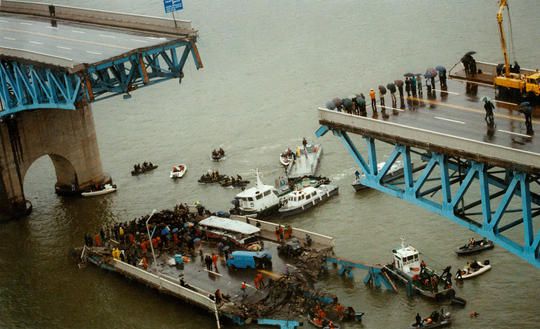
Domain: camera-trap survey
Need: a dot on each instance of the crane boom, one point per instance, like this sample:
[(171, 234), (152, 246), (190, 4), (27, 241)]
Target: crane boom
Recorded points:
[(502, 4)]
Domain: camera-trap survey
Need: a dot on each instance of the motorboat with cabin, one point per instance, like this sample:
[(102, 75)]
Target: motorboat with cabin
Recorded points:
[(178, 171), (410, 270), (396, 169), (105, 189), (258, 201), (303, 199)]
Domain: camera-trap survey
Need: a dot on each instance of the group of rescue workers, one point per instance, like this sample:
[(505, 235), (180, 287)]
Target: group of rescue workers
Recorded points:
[(172, 231)]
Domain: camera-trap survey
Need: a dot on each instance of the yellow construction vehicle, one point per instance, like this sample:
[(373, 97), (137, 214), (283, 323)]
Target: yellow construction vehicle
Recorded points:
[(509, 83)]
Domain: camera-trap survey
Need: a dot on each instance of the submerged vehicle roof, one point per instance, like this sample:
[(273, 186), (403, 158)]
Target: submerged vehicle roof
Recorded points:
[(229, 225), (258, 254)]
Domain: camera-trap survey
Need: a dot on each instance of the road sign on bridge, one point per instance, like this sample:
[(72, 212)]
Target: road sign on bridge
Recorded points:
[(55, 57), (172, 5)]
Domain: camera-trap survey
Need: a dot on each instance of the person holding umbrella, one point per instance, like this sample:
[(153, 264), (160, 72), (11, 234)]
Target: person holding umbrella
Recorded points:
[(399, 84), (408, 86), (442, 75), (338, 104), (392, 88), (361, 104), (330, 105), (526, 109), (347, 105), (373, 100), (360, 101), (419, 84), (489, 107)]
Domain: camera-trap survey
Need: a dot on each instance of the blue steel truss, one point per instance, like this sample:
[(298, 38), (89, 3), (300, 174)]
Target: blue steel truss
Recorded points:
[(374, 277), (26, 86), (458, 175)]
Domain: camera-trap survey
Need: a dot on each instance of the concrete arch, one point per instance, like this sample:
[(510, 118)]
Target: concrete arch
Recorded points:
[(67, 137), (67, 180)]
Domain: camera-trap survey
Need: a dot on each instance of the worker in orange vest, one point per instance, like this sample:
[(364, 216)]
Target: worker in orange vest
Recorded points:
[(243, 287), (214, 261), (373, 100), (145, 263), (259, 283)]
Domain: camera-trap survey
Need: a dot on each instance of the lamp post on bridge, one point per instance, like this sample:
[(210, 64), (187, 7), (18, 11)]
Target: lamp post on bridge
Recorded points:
[(150, 238)]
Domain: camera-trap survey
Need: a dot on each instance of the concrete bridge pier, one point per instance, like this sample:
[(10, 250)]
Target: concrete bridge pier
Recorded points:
[(67, 137)]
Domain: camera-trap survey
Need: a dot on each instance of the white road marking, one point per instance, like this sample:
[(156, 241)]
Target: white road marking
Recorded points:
[(77, 31), (450, 120), (25, 23), (52, 27), (2, 21), (93, 52), (9, 38), (107, 36), (152, 38), (446, 91), (36, 42), (513, 133), (391, 108), (503, 102), (62, 47), (137, 40)]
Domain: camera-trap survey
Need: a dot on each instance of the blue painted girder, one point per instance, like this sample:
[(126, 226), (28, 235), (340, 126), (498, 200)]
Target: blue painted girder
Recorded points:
[(516, 186), (26, 86)]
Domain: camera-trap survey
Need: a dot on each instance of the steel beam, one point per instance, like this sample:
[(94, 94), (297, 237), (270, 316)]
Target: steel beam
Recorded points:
[(28, 87), (516, 185)]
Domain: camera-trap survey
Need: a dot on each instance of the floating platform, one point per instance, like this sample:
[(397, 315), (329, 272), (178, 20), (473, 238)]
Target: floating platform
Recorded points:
[(196, 285), (306, 162)]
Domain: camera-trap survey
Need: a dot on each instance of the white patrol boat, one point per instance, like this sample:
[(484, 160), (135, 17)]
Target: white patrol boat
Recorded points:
[(408, 268), (258, 201), (303, 199), (305, 161), (106, 189), (396, 169)]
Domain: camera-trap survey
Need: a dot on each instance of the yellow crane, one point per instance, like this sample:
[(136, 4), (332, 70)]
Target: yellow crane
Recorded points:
[(513, 83)]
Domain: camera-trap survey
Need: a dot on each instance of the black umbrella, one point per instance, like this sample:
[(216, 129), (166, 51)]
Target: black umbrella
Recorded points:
[(469, 53), (330, 105), (337, 101), (408, 75), (398, 83), (525, 107), (382, 89), (440, 68), (361, 101), (391, 87), (347, 103)]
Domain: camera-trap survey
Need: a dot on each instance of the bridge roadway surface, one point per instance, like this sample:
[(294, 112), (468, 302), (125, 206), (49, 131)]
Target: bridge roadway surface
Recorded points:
[(461, 116), (76, 42)]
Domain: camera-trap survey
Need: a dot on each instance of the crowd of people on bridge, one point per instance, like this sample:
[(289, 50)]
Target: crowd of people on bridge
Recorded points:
[(411, 86)]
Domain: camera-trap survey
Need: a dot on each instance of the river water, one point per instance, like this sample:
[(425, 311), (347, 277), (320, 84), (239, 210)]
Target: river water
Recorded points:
[(268, 65)]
